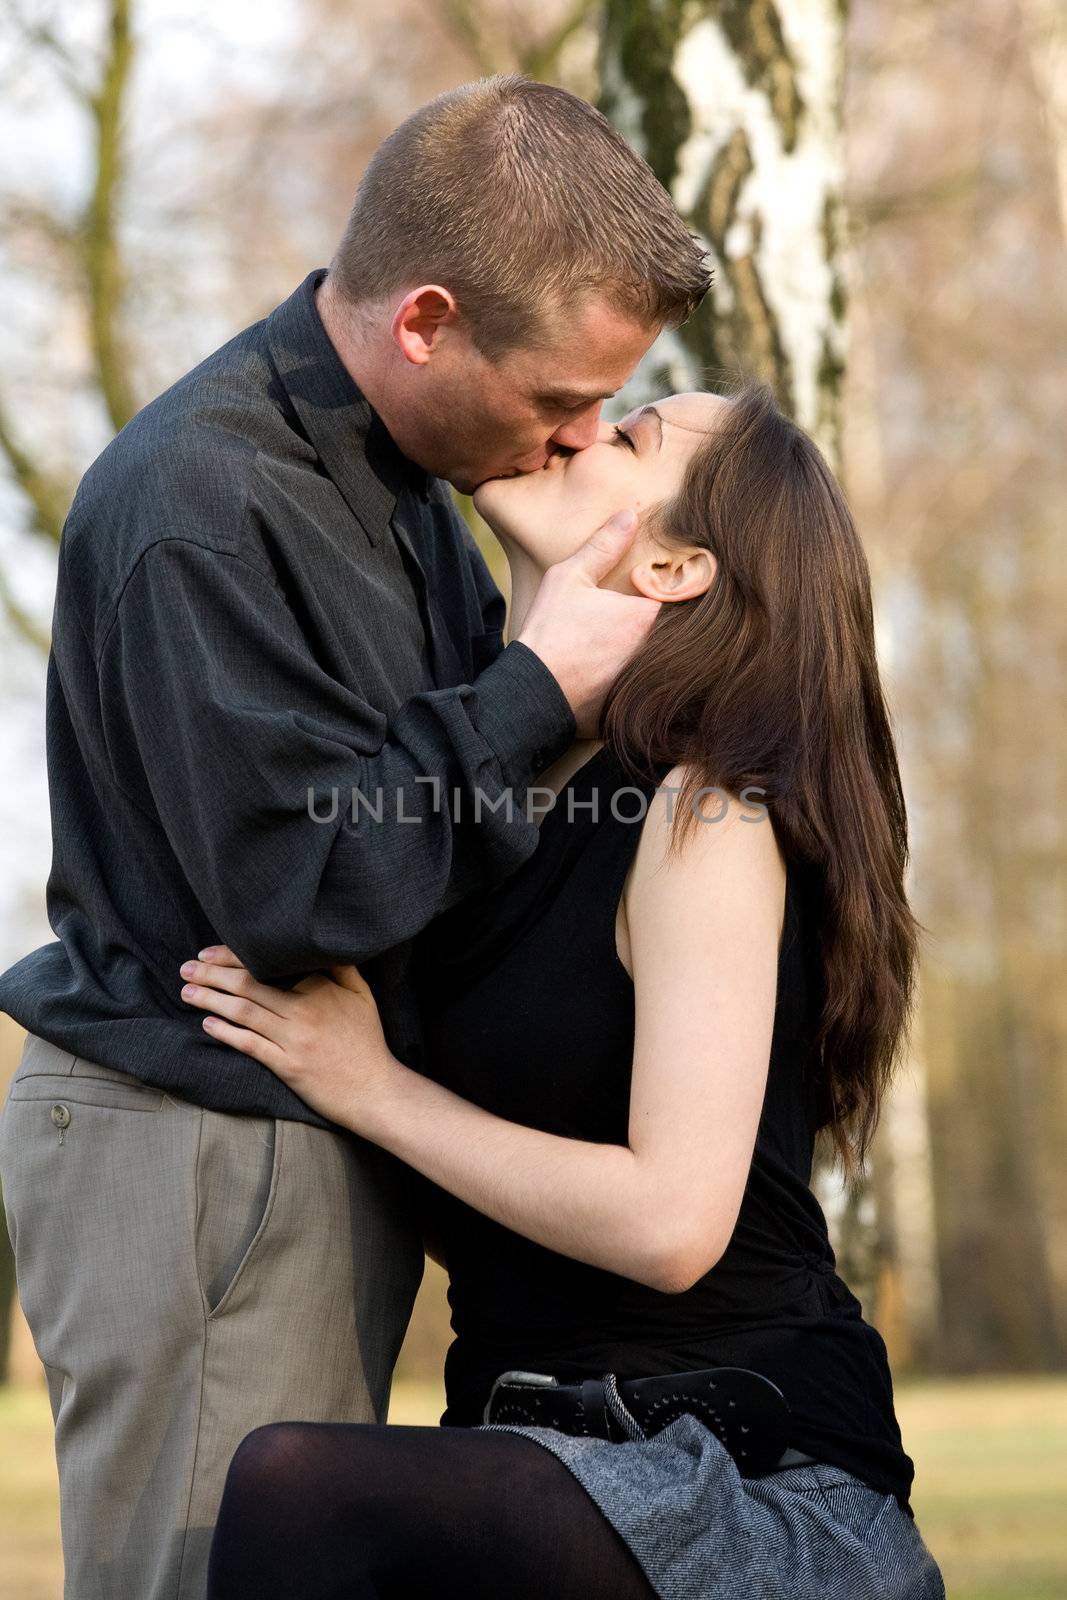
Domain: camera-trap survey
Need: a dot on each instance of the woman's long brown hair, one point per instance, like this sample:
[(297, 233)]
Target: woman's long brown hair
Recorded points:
[(770, 681)]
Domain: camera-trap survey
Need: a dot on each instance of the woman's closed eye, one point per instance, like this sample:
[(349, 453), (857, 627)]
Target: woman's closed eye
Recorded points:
[(622, 437)]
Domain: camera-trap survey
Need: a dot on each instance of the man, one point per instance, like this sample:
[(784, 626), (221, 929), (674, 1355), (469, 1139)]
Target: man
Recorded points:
[(279, 698)]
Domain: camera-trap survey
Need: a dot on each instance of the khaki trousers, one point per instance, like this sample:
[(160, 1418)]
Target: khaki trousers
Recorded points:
[(187, 1276)]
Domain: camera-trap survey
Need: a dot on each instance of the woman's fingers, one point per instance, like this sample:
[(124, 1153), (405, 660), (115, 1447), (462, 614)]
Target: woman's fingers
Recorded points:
[(248, 1043), (237, 1009), (238, 981), (220, 955)]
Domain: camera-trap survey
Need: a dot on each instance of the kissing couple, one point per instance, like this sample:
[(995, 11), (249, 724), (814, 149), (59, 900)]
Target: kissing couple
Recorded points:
[(580, 1059)]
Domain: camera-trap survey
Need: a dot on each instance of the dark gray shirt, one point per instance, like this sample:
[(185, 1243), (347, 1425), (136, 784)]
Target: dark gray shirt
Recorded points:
[(262, 607)]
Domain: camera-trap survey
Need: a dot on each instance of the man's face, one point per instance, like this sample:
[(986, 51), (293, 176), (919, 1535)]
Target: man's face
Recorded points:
[(495, 419)]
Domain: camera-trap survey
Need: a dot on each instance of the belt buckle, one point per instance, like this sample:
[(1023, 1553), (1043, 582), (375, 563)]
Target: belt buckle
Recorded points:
[(518, 1378)]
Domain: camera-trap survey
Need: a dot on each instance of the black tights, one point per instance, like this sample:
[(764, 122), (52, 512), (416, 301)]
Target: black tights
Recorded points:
[(362, 1511)]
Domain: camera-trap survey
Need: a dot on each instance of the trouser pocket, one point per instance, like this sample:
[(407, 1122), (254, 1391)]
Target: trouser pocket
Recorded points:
[(237, 1173), (55, 1099)]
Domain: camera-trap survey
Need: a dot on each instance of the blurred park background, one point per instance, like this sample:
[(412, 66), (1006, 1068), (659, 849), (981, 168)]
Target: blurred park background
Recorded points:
[(883, 187)]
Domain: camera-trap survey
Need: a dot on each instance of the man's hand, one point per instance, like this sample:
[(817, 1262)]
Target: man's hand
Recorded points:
[(585, 635)]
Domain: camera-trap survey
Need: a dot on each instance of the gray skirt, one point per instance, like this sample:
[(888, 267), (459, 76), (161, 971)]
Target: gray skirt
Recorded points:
[(701, 1531)]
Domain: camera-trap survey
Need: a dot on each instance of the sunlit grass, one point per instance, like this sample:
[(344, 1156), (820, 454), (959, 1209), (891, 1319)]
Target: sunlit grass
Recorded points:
[(990, 1493), (30, 1563), (991, 1483)]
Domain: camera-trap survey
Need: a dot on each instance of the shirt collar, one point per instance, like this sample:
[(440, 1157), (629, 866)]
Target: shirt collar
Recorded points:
[(352, 441)]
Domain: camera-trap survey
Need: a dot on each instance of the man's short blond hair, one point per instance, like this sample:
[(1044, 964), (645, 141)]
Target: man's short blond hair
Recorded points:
[(520, 199)]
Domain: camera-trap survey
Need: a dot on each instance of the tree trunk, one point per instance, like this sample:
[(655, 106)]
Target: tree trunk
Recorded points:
[(736, 105), (97, 246), (908, 1216)]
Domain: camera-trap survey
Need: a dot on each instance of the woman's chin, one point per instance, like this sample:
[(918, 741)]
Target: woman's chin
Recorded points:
[(482, 498), (490, 500), (520, 516)]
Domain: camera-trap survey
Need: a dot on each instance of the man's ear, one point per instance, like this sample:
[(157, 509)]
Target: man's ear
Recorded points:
[(679, 574), (419, 319)]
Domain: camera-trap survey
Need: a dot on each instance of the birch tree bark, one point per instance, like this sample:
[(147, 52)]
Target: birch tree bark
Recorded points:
[(736, 105)]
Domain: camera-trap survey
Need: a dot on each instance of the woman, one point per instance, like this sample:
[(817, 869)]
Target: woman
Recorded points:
[(630, 1047)]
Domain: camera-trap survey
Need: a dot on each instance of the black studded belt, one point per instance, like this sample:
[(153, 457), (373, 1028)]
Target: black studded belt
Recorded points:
[(746, 1411)]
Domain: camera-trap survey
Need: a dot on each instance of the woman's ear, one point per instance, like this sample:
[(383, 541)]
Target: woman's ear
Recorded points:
[(678, 574)]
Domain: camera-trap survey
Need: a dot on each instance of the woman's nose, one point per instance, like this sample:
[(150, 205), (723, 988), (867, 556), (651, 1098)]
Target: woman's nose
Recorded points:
[(580, 432)]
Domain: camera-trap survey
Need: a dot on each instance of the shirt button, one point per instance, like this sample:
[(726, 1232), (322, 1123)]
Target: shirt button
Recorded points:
[(60, 1116)]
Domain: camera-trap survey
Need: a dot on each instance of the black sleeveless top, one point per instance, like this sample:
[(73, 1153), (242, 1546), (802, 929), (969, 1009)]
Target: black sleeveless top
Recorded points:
[(528, 1012)]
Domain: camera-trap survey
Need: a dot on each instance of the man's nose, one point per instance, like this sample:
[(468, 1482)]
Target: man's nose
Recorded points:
[(581, 431)]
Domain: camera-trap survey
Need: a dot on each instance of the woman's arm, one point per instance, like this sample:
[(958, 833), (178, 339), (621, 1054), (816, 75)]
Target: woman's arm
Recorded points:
[(703, 930)]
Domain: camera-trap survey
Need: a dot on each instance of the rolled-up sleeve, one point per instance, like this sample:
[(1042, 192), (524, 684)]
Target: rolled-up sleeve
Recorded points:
[(312, 828)]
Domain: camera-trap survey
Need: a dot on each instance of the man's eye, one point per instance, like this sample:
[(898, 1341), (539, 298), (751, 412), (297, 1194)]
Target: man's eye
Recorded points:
[(622, 437)]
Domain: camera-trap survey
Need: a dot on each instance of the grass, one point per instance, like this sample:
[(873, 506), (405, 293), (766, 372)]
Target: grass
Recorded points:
[(991, 1483), (990, 1490), (30, 1563)]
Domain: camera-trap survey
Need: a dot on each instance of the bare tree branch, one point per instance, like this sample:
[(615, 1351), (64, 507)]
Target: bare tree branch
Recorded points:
[(101, 253), (48, 498), (26, 217), (467, 25), (953, 188), (541, 60), (23, 623), (1047, 36), (95, 245), (40, 36)]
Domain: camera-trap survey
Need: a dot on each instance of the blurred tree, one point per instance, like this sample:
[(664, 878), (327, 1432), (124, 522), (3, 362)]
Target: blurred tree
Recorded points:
[(194, 214), (89, 242), (1046, 25), (736, 106), (512, 38), (959, 337)]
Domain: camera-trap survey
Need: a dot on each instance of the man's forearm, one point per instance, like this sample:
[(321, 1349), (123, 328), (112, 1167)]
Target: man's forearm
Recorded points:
[(255, 761)]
